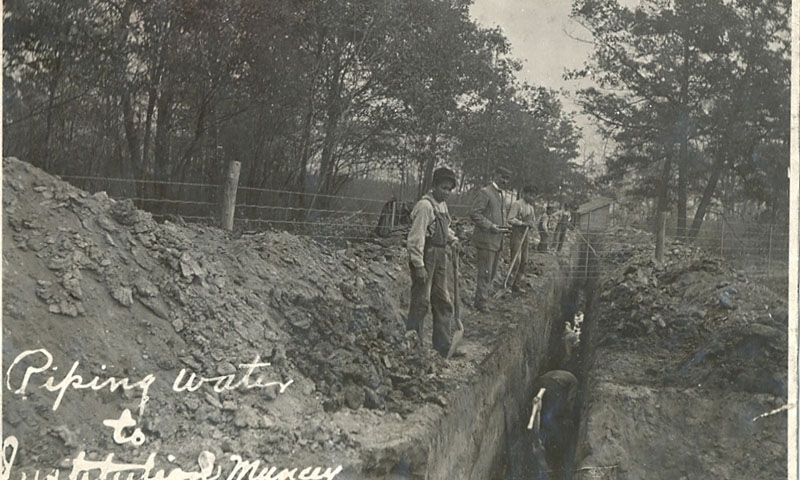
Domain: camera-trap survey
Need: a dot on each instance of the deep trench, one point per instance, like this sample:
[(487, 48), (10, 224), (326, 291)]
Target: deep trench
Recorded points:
[(522, 461)]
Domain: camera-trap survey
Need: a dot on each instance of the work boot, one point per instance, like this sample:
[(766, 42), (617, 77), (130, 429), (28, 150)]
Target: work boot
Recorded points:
[(455, 350), (413, 342), (458, 353)]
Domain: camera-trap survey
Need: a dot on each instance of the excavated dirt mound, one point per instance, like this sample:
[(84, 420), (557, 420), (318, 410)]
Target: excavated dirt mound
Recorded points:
[(270, 346), (685, 356), (91, 280)]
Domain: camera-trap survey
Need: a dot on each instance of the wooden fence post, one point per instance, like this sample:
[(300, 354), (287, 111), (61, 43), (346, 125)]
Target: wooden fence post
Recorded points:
[(229, 195), (769, 251), (660, 234), (394, 209), (588, 246), (722, 240)]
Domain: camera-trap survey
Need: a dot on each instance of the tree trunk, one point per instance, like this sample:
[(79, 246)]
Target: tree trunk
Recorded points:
[(308, 124), (662, 204), (334, 111), (325, 180), (147, 159), (305, 156), (161, 156), (48, 133), (708, 194), (683, 180), (430, 162), (683, 155), (126, 96), (162, 163), (129, 125)]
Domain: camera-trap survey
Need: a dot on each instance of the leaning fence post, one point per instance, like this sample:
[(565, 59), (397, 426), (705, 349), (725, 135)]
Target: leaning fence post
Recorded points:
[(769, 251), (394, 207), (588, 239), (660, 234), (229, 195), (722, 240)]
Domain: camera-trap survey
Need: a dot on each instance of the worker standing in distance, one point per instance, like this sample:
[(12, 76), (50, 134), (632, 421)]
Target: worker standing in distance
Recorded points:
[(521, 217), (488, 215), (546, 226), (427, 255), (564, 224)]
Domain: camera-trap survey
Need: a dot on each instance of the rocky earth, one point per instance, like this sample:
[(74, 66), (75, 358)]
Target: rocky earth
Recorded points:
[(266, 345), (685, 357), (304, 359), (95, 281)]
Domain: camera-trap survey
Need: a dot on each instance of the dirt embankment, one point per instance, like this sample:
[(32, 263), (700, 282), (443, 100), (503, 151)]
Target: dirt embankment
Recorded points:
[(94, 287), (98, 282), (685, 357)]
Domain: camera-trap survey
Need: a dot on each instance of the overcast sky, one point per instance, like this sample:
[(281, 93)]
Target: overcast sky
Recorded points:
[(540, 33)]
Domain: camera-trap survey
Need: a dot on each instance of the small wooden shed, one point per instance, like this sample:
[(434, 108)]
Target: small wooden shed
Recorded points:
[(595, 215)]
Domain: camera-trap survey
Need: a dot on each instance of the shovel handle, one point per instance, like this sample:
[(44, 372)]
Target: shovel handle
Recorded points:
[(456, 296), (516, 256), (537, 405)]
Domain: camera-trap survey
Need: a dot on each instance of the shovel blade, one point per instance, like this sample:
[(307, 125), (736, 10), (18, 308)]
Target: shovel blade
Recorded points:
[(454, 342)]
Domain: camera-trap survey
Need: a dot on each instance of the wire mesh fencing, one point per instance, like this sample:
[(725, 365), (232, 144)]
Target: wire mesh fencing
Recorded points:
[(759, 250)]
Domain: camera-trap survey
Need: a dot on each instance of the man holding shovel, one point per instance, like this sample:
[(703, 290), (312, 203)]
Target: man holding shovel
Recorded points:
[(522, 221), (427, 254)]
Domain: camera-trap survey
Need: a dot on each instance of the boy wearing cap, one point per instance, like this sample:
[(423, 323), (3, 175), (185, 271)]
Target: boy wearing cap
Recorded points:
[(427, 240), (564, 223), (522, 221), (546, 226), (488, 214)]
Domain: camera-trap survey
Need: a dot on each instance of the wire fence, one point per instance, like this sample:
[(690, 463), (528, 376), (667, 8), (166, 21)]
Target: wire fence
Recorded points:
[(759, 250)]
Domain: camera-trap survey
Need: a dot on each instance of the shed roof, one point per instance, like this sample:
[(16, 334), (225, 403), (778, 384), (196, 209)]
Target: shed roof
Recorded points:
[(595, 204)]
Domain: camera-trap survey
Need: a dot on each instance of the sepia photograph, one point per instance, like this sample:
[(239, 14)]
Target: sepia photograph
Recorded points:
[(399, 239)]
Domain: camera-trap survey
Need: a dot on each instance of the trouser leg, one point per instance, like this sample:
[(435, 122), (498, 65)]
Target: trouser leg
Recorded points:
[(485, 260), (561, 232), (543, 241), (496, 255), (523, 261), (441, 305), (420, 299), (516, 241)]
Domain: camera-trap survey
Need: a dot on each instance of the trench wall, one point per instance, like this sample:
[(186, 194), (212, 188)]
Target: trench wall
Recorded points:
[(637, 422), (483, 426)]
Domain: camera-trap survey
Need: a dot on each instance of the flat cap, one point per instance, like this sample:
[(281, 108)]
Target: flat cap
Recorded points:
[(444, 173), (503, 171)]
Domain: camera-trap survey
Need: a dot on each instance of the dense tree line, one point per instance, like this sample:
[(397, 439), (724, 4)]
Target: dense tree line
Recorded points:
[(695, 94), (307, 94)]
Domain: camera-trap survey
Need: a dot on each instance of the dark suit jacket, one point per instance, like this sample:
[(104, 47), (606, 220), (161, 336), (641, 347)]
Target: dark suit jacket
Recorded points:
[(487, 210)]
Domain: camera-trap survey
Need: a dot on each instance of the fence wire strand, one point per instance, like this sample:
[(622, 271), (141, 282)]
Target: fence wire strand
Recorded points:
[(755, 249)]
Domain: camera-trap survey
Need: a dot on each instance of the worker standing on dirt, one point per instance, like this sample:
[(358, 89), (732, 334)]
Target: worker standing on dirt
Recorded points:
[(427, 241), (488, 214), (557, 419), (522, 219), (546, 227), (564, 223)]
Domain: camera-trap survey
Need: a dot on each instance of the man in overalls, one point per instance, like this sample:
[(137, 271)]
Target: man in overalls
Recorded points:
[(427, 255)]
